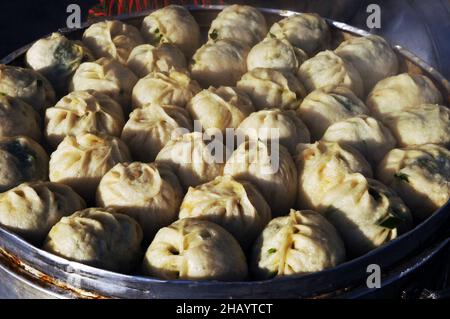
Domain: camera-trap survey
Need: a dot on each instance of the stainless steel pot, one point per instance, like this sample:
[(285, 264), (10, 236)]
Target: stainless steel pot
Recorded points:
[(28, 272)]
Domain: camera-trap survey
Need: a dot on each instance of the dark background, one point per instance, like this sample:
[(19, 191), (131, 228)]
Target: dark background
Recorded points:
[(421, 26)]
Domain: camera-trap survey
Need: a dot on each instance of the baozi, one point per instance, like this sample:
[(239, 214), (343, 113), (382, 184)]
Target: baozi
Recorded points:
[(56, 58), (235, 205), (18, 118), (150, 193), (307, 31), (220, 108), (323, 165), (239, 23), (366, 213), (423, 124), (28, 85), (146, 58), (366, 134), (193, 158), (269, 88), (196, 250), (371, 56), (112, 39), (299, 243), (106, 76), (328, 105), (217, 63), (82, 112), (269, 167), (172, 24), (420, 175), (173, 87), (284, 126), (81, 161), (21, 160), (97, 237), (151, 127), (401, 92), (327, 68), (31, 209), (273, 53)]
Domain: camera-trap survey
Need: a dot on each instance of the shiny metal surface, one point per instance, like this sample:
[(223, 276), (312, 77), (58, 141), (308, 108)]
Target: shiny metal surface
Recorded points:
[(29, 272)]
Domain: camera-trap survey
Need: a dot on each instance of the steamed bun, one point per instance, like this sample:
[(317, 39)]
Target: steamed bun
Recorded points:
[(112, 39), (299, 243), (220, 108), (97, 237), (151, 127), (191, 157), (366, 134), (221, 62), (173, 87), (150, 193), (28, 85), (420, 175), (81, 161), (196, 250), (269, 88), (269, 167), (172, 24), (21, 160), (401, 92), (327, 105), (285, 126), (327, 68), (235, 205), (31, 209), (82, 112)]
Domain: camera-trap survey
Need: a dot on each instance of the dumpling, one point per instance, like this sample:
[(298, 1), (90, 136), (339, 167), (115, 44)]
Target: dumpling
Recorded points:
[(151, 127), (420, 175), (174, 87), (366, 213), (299, 243), (241, 23), (220, 108), (56, 58), (146, 58), (106, 76), (270, 88), (323, 165), (82, 112), (372, 56), (193, 158), (18, 118), (150, 193), (195, 250), (273, 53), (274, 124), (235, 205), (217, 63), (81, 161), (401, 92), (21, 160), (269, 167), (328, 105), (31, 209), (423, 124), (327, 68), (112, 39), (172, 24), (368, 135), (97, 237), (27, 85), (306, 31)]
